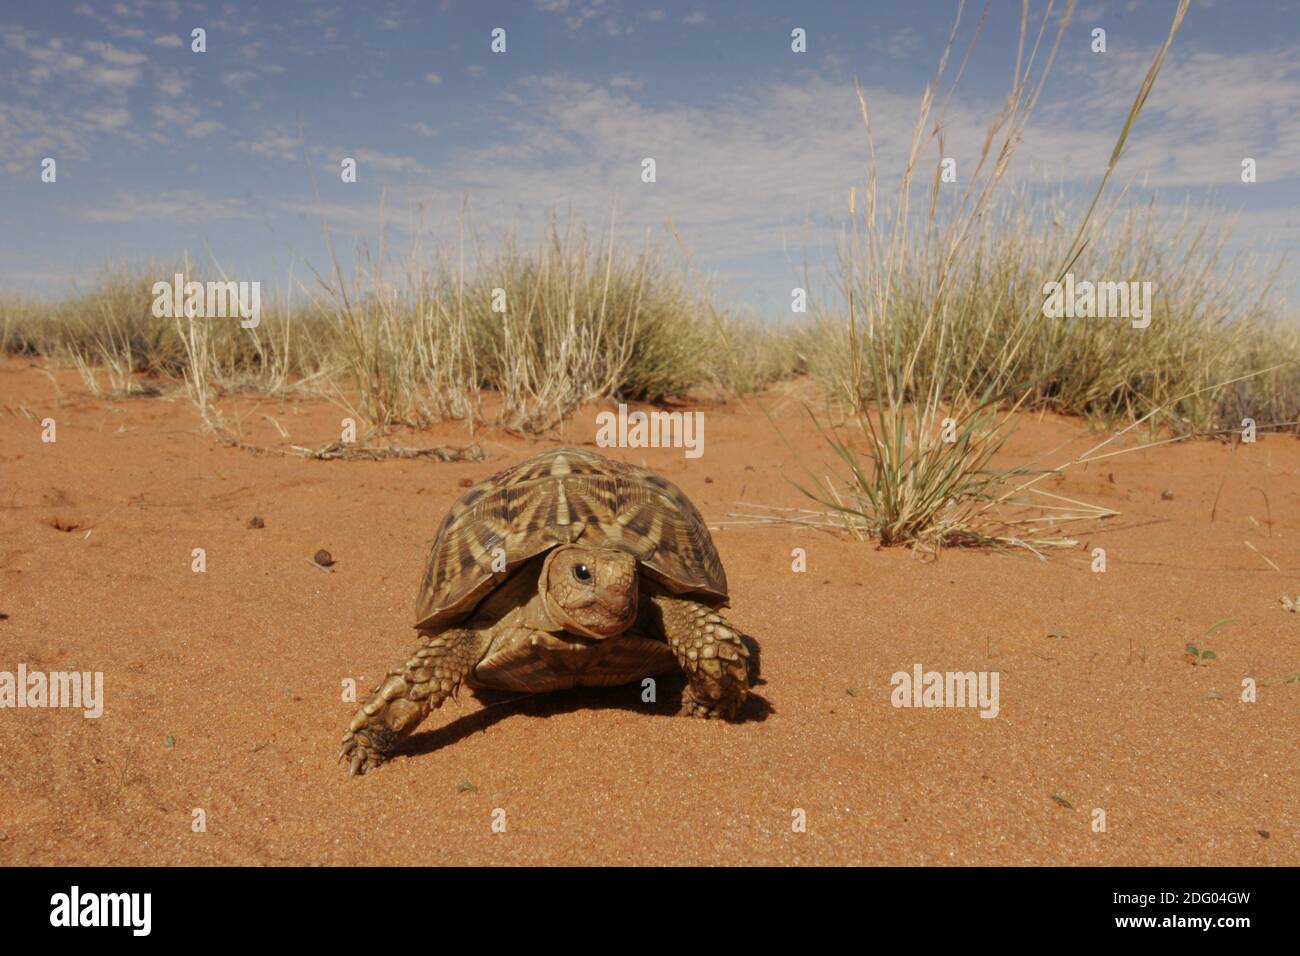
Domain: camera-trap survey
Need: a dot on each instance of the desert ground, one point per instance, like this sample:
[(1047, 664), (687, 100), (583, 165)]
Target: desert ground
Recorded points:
[(223, 689)]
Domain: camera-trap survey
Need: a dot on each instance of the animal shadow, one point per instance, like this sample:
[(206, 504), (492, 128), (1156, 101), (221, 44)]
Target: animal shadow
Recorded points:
[(498, 705)]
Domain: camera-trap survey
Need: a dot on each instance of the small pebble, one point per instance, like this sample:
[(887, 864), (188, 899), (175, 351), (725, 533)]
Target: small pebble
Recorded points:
[(256, 522)]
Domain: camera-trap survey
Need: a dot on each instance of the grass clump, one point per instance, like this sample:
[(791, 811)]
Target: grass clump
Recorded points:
[(521, 337), (546, 329), (1202, 331), (941, 339), (111, 336)]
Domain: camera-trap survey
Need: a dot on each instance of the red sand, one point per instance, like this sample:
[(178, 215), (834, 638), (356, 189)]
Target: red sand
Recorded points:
[(241, 667)]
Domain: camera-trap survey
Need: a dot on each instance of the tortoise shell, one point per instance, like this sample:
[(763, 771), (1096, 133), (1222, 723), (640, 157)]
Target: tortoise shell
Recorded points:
[(564, 496)]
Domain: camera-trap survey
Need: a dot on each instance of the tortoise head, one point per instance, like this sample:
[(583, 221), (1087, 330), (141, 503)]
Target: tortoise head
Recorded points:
[(590, 591)]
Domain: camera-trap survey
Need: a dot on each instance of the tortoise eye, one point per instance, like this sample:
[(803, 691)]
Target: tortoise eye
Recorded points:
[(582, 572)]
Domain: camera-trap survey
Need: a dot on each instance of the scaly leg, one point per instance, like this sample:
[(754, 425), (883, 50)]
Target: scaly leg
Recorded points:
[(711, 653), (409, 693)]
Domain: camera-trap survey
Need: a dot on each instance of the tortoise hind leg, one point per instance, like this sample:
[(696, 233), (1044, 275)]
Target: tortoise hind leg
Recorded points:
[(710, 651), (409, 693)]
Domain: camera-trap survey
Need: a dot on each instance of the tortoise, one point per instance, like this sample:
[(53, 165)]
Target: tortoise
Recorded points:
[(568, 569)]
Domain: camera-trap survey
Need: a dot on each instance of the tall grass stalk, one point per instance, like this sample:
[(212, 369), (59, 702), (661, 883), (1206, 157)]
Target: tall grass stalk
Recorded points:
[(933, 382)]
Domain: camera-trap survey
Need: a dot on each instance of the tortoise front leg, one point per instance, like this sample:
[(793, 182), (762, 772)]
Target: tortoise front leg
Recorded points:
[(409, 693), (711, 653)]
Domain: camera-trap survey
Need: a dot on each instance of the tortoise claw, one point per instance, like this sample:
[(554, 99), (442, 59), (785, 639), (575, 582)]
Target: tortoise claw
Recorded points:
[(363, 756), (698, 705)]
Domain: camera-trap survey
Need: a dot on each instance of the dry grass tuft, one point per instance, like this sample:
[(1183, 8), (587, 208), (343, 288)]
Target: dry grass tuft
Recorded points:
[(942, 337), (543, 329)]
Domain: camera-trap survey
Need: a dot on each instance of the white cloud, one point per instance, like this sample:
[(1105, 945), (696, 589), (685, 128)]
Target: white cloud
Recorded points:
[(186, 118), (171, 85), (359, 215), (28, 135), (202, 128), (901, 44), (384, 161), (250, 52), (1186, 137), (115, 56), (236, 80), (166, 207), (609, 15), (739, 174), (274, 144), (52, 56), (118, 78), (109, 119)]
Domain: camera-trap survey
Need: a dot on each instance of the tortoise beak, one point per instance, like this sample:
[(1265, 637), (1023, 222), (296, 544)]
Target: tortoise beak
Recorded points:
[(626, 609), (622, 613)]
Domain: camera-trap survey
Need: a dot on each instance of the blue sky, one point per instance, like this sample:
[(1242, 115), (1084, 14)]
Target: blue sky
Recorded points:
[(162, 151)]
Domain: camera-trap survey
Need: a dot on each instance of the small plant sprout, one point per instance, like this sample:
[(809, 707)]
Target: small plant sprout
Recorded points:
[(1199, 656)]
